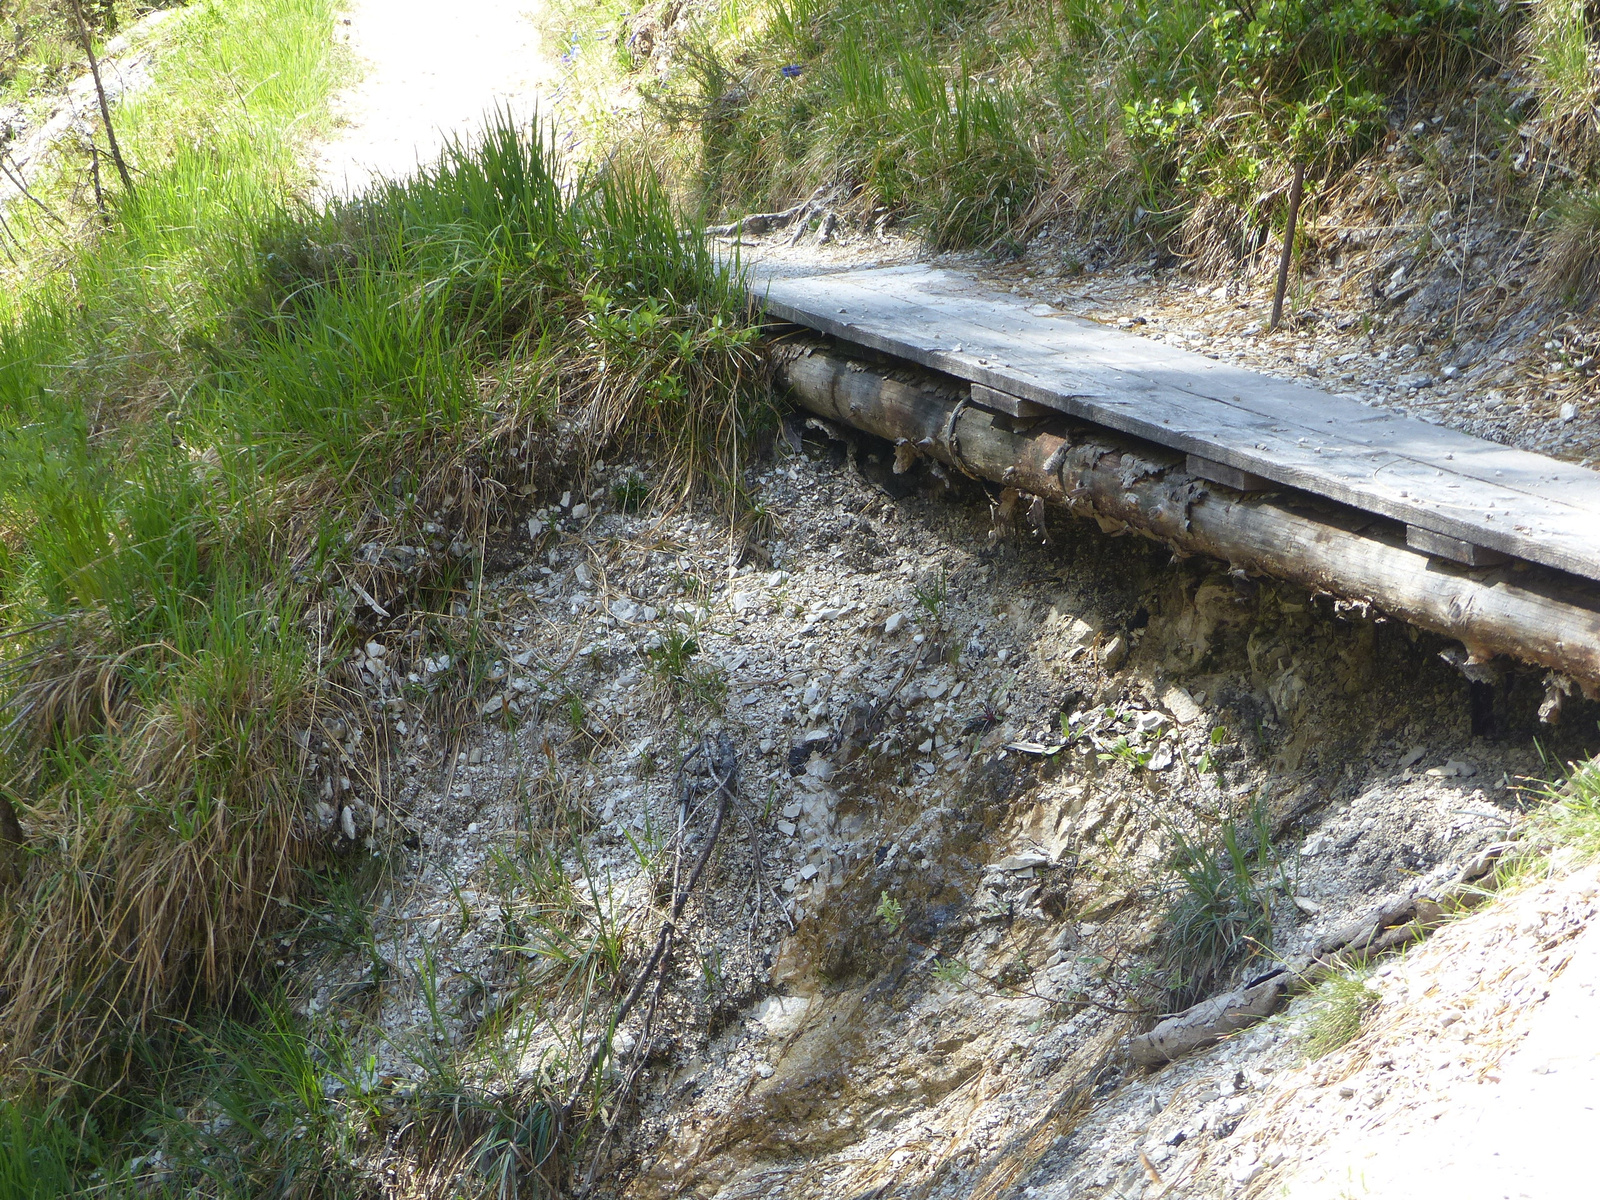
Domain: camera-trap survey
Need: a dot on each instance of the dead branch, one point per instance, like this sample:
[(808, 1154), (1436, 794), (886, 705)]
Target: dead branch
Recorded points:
[(75, 7)]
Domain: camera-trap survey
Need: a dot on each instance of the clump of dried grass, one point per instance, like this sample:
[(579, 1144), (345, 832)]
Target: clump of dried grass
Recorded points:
[(1569, 265), (163, 834)]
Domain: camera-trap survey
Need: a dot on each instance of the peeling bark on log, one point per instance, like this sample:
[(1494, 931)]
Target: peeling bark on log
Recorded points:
[(1207, 1023), (1530, 613)]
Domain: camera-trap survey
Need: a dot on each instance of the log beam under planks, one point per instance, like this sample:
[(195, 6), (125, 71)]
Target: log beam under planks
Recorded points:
[(1540, 616)]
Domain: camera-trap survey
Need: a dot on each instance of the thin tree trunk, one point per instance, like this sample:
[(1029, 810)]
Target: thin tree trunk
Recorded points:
[(1288, 245), (94, 175), (76, 8)]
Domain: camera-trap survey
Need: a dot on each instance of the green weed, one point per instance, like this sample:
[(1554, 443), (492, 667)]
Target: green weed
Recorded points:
[(1222, 912), (932, 595), (629, 495), (672, 663), (891, 913), (1340, 1008), (40, 1154)]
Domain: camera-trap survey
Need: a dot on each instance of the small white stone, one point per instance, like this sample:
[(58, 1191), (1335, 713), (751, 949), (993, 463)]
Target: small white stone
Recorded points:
[(809, 871), (1149, 722), (786, 828), (1181, 705), (1114, 652), (580, 511), (1569, 412), (894, 623)]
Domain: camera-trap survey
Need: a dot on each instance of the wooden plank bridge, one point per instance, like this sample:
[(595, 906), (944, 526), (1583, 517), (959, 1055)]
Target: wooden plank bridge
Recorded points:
[(1461, 498)]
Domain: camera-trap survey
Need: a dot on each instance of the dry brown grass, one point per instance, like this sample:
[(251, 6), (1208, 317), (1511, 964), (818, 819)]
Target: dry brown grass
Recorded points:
[(152, 879)]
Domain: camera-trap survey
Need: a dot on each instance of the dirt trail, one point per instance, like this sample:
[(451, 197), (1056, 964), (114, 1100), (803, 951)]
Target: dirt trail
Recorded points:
[(431, 74)]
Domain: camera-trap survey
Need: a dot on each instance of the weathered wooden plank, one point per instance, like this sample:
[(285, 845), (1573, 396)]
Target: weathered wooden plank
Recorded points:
[(1456, 550), (1435, 479), (1539, 616), (1215, 472), (1005, 402)]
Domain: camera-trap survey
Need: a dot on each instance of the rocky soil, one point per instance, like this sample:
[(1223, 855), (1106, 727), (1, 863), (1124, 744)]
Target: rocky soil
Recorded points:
[(969, 754)]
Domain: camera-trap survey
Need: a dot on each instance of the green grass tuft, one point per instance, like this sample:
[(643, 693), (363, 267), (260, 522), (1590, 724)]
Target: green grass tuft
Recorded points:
[(981, 119), (1340, 1009), (1221, 912)]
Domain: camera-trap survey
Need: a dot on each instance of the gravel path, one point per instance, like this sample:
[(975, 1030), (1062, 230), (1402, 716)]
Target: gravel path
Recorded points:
[(431, 74)]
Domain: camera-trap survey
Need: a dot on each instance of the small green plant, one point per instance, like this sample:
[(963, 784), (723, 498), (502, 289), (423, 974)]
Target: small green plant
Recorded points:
[(932, 595), (711, 970), (39, 1153), (891, 912), (1121, 751), (574, 710), (629, 495), (670, 659), (672, 663), (951, 970), (1210, 762), (1341, 1007)]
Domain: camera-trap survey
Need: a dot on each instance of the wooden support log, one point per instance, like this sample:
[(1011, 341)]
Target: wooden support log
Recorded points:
[(1533, 614)]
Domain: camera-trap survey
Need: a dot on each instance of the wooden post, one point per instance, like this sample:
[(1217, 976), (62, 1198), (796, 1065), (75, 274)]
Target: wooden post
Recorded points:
[(76, 8), (1295, 189)]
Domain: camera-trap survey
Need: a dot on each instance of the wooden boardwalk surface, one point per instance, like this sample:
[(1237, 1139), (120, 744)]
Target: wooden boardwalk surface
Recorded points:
[(1455, 492)]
